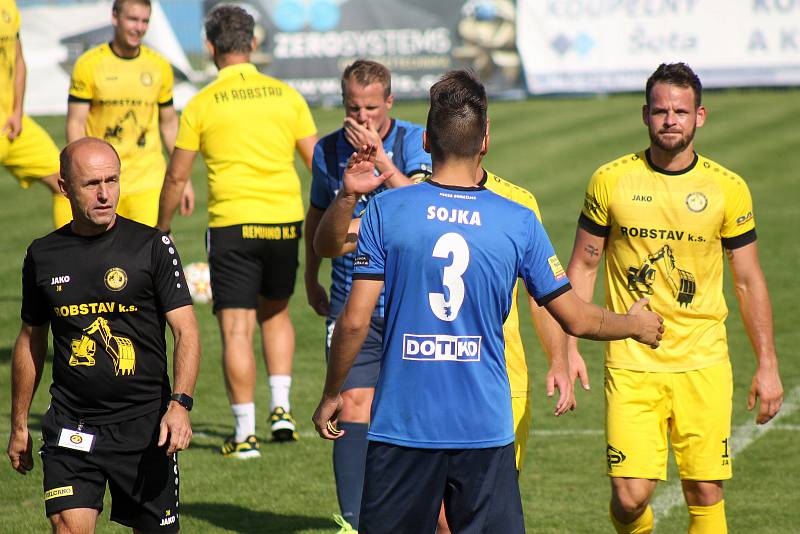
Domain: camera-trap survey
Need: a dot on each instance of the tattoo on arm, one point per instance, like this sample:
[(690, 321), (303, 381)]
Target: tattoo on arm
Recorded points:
[(729, 253), (592, 250), (351, 238)]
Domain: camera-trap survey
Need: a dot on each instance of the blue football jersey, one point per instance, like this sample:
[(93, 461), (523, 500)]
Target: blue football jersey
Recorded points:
[(403, 144), (449, 258)]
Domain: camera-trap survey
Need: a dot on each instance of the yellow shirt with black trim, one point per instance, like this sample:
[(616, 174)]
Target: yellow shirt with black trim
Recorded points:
[(247, 125), (124, 96), (516, 365), (665, 233), (9, 30)]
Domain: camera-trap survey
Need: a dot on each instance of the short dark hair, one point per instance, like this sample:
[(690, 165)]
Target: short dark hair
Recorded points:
[(457, 118), (116, 7), (65, 157), (679, 74), (365, 72), (230, 29)]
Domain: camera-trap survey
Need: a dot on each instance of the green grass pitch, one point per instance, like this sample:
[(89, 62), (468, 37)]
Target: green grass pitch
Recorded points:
[(550, 146)]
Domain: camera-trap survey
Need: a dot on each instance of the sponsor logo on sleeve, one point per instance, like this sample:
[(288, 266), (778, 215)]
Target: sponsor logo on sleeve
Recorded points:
[(63, 491), (361, 260), (440, 347), (744, 218), (555, 266)]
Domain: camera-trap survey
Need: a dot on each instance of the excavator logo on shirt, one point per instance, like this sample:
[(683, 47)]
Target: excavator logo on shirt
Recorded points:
[(131, 123), (682, 283), (119, 349)]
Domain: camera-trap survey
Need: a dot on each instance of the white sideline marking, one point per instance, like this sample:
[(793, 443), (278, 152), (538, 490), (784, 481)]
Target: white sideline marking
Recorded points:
[(741, 437)]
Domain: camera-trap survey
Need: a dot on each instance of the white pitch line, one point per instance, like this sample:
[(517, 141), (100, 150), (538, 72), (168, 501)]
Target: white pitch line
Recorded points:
[(741, 437)]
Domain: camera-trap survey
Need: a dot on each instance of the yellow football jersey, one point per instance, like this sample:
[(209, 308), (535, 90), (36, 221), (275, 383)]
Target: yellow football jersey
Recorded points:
[(9, 29), (124, 96), (247, 125), (516, 365), (665, 234)]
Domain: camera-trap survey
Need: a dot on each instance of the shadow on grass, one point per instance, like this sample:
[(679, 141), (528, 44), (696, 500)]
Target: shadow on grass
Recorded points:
[(5, 354), (246, 521)]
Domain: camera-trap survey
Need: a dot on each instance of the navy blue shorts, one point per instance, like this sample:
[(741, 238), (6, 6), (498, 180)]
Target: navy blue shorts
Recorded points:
[(367, 367), (404, 488), (142, 479)]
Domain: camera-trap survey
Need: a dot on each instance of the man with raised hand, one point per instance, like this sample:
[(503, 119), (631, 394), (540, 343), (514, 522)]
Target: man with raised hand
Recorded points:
[(113, 417), (248, 127), (442, 424), (663, 218), (121, 91), (367, 99)]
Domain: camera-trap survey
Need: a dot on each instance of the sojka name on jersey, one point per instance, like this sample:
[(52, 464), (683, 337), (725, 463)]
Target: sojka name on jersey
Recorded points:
[(442, 348)]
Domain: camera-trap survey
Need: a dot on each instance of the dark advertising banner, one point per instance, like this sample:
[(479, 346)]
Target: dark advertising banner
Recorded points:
[(309, 43)]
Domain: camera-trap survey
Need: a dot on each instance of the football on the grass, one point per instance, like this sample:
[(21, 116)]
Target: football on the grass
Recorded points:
[(199, 282)]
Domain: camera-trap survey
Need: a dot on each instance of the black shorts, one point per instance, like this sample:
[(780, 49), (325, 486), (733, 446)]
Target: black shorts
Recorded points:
[(404, 488), (248, 260), (142, 479), (367, 366)]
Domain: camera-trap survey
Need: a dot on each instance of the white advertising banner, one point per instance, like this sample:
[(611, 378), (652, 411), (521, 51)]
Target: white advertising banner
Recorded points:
[(54, 36), (583, 46)]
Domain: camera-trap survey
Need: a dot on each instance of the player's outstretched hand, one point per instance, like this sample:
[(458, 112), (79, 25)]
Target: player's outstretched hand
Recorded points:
[(650, 325), (176, 427), (558, 378), (766, 388), (577, 369), (317, 298), (359, 175), (326, 416), (20, 450)]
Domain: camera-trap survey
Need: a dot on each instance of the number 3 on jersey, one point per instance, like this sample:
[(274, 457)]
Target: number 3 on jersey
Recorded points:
[(450, 243)]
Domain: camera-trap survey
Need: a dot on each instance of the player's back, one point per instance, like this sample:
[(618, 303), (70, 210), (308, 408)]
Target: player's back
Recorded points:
[(450, 258), (247, 125)]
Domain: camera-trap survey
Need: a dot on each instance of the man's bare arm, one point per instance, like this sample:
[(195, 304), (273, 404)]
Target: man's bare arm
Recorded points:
[(30, 350), (305, 147), (582, 272), (13, 126), (317, 297), (754, 304), (178, 173), (589, 321), (554, 343), (77, 114), (175, 424), (351, 329), (168, 126)]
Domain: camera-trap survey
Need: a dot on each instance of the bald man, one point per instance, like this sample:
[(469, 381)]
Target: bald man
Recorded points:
[(106, 286)]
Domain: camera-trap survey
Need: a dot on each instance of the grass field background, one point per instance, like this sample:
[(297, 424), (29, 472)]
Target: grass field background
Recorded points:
[(550, 146)]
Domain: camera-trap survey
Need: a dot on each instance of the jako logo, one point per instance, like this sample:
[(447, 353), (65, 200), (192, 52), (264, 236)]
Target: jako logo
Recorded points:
[(442, 347), (59, 280)]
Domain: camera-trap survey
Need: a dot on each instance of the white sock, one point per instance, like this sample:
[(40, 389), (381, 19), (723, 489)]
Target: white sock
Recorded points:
[(245, 415), (279, 386)]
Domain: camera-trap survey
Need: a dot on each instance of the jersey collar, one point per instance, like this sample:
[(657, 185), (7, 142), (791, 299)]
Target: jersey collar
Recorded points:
[(455, 187), (239, 68), (670, 173)]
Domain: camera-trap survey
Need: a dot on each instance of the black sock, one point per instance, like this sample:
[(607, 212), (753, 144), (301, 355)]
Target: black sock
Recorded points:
[(349, 457)]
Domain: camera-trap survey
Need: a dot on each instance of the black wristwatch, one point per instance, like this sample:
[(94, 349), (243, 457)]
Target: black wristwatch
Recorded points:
[(184, 400)]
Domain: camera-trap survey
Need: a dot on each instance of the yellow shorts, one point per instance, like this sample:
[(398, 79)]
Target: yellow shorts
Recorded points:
[(30, 156), (141, 206), (692, 409), (521, 407)]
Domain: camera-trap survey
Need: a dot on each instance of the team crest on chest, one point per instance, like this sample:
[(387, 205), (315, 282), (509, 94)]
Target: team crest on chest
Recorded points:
[(6, 17), (116, 279), (696, 202), (147, 79)]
